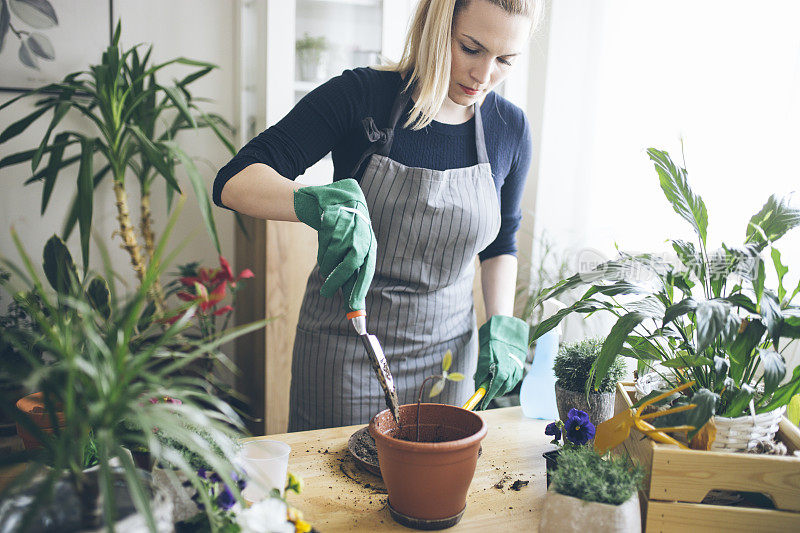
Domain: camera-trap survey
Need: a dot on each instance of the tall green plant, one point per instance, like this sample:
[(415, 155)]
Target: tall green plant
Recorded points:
[(710, 318), (126, 105), (100, 373)]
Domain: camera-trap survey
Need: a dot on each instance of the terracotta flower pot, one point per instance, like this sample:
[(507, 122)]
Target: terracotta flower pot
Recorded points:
[(427, 481), (565, 514), (33, 405)]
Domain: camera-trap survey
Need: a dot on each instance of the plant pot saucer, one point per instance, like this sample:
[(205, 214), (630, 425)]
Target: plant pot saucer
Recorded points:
[(425, 524), (361, 446)]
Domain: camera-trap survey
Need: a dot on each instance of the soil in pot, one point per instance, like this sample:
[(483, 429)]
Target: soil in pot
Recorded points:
[(428, 480), (600, 406)]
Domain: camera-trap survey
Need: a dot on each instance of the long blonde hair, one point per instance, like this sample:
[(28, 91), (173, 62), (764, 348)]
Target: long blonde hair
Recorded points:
[(426, 56)]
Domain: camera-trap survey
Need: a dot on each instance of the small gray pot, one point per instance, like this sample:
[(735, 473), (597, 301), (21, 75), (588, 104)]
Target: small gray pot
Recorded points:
[(600, 406)]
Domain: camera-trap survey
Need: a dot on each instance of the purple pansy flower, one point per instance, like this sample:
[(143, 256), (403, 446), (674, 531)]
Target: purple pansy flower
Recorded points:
[(225, 498), (579, 429), (553, 430)]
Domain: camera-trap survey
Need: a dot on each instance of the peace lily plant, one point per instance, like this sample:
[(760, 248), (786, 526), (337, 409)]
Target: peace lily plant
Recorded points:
[(710, 319)]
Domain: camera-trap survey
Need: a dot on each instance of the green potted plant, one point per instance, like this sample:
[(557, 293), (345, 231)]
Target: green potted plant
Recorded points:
[(710, 319), (121, 98), (592, 493), (311, 57), (576, 429), (428, 459), (101, 375), (572, 367)]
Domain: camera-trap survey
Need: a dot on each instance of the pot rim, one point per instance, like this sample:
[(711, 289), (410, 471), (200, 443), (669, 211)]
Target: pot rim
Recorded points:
[(430, 447)]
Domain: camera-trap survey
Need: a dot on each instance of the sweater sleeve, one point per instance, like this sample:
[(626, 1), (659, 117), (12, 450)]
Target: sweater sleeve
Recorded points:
[(511, 198), (308, 132)]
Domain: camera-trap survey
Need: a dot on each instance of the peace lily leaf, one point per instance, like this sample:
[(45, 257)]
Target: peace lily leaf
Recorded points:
[(687, 254), (773, 318), (780, 270), (774, 369), (740, 300), (447, 360), (437, 388), (455, 376), (791, 323), (37, 13), (743, 346), (706, 402), (41, 46), (721, 366), (686, 361), (758, 281), (715, 319), (99, 296), (741, 399), (643, 348), (612, 345), (681, 308), (58, 266), (676, 188), (774, 219), (650, 306), (784, 393)]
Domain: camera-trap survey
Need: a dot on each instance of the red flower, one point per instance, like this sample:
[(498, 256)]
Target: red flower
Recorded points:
[(226, 274), (223, 310)]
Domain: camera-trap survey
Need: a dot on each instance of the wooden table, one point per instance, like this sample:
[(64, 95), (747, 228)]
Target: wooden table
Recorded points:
[(339, 496)]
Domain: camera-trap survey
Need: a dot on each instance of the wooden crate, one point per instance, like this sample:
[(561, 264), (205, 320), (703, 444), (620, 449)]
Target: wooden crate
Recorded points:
[(677, 481)]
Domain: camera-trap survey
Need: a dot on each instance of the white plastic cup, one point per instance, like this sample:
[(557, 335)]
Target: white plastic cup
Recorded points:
[(266, 463)]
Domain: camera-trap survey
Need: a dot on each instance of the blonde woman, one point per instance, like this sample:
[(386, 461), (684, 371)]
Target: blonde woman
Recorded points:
[(429, 167)]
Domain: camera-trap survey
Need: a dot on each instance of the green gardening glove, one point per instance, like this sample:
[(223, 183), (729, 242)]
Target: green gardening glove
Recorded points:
[(503, 348), (346, 252)]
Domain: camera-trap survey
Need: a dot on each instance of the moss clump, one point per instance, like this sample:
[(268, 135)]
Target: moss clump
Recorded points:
[(582, 473), (574, 362)]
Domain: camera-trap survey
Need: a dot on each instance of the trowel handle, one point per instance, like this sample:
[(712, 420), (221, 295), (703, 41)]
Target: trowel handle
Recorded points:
[(477, 397)]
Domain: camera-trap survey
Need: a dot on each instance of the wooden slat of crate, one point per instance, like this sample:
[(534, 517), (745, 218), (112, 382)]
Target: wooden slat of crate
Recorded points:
[(694, 517), (689, 475)]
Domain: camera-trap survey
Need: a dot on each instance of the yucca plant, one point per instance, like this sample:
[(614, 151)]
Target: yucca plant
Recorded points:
[(136, 121), (710, 319), (101, 374)]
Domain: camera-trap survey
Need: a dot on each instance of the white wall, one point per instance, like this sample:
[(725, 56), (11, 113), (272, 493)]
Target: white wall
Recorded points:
[(197, 29)]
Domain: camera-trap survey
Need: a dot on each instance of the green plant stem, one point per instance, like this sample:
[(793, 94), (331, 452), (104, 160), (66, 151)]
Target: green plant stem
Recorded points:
[(419, 399)]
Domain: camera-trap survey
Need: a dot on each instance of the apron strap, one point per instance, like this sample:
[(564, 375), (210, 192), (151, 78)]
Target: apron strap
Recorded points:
[(381, 139)]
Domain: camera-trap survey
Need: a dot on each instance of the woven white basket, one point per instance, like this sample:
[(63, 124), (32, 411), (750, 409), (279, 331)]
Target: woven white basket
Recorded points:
[(733, 434), (744, 432)]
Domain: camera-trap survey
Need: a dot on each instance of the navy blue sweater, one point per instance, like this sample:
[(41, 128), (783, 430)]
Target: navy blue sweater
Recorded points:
[(328, 119)]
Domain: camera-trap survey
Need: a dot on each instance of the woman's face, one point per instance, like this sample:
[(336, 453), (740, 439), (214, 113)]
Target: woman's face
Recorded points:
[(487, 41)]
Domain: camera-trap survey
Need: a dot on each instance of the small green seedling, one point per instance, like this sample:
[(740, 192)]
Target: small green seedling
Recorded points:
[(438, 386)]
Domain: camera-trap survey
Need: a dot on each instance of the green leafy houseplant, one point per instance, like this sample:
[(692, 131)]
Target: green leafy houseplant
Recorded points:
[(101, 375), (710, 319), (582, 473), (121, 98), (572, 366)]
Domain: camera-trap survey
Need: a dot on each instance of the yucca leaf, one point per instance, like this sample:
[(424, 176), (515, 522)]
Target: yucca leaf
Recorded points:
[(72, 214), (155, 157), (85, 196), (178, 99), (22, 124), (59, 113), (676, 188), (209, 121), (200, 191), (53, 166)]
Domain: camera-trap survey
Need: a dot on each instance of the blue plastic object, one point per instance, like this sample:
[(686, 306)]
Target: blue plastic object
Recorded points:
[(537, 395)]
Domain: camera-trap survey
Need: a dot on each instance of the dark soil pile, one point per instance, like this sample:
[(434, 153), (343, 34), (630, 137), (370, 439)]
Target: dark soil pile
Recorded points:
[(364, 448)]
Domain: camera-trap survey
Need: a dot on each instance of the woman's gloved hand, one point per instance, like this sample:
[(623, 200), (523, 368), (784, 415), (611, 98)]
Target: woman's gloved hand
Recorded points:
[(346, 253), (503, 348)]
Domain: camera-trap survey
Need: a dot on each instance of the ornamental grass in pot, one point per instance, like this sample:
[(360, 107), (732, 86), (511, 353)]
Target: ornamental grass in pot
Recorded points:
[(592, 493), (427, 461), (106, 357), (572, 368), (708, 317)]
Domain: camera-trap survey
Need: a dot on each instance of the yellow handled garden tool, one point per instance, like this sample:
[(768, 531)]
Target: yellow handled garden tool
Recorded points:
[(477, 397), (614, 431)]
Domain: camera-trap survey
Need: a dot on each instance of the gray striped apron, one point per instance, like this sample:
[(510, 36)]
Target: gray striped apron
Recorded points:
[(429, 225)]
